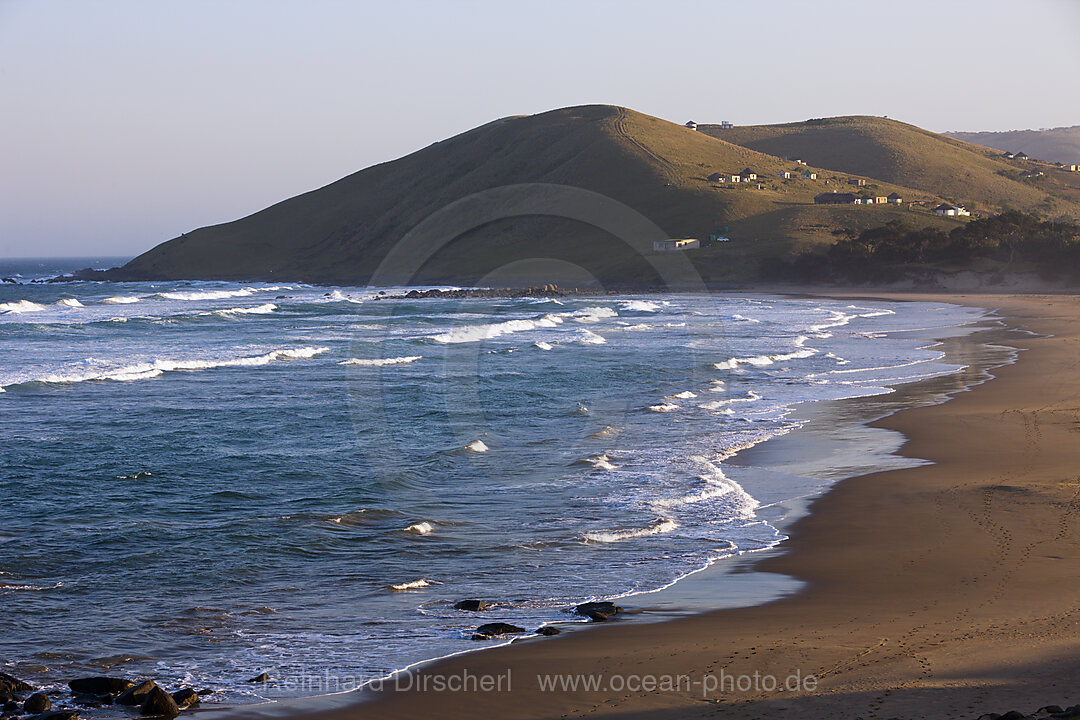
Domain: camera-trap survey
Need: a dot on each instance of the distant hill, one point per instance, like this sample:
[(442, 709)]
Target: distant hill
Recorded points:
[(345, 231), (1060, 144), (907, 155)]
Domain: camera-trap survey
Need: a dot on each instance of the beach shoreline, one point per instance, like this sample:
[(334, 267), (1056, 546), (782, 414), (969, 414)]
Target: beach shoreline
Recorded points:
[(876, 625)]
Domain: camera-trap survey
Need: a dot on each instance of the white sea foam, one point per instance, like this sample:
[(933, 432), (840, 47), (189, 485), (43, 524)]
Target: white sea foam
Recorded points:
[(638, 328), (420, 528), (685, 395), (487, 331), (149, 370), (411, 585), (339, 296), (763, 360), (717, 386), (379, 362), (602, 461), (543, 345), (718, 404), (640, 306), (474, 333), (22, 306), (743, 318), (207, 295), (121, 300), (588, 337), (591, 314), (663, 407), (477, 446), (70, 302), (714, 484), (657, 528), (265, 309)]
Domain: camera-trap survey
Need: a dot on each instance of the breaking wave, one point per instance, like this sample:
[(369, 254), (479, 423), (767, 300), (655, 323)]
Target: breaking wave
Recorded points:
[(121, 300), (257, 310), (22, 306), (149, 370), (380, 362), (659, 527)]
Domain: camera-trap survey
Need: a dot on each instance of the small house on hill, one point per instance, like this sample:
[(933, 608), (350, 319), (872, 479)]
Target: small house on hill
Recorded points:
[(691, 124), (895, 199), (834, 198), (675, 245), (857, 182), (715, 177), (1021, 156), (1031, 174), (809, 175), (733, 178), (1073, 168), (747, 175), (1009, 155), (725, 125), (784, 174), (950, 210), (798, 161)]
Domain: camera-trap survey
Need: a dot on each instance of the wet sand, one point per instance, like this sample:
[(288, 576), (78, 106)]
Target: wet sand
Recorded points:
[(940, 591)]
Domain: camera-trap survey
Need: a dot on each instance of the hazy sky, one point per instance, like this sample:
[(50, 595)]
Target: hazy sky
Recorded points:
[(126, 122)]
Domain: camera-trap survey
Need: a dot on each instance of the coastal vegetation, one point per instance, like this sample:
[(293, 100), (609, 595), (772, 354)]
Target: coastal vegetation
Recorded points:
[(1010, 241)]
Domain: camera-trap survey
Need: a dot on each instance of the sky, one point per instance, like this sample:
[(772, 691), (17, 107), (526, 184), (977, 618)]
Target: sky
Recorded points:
[(124, 123)]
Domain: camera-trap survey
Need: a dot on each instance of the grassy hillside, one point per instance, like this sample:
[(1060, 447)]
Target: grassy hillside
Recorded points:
[(1053, 145), (903, 154), (444, 196)]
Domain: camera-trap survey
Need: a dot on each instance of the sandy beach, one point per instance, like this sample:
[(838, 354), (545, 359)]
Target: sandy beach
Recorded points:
[(941, 591)]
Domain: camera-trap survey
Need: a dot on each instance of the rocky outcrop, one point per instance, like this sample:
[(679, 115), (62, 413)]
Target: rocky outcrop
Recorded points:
[(472, 605), (598, 611), (493, 630), (136, 695), (159, 703), (11, 686), (37, 704), (100, 685), (185, 698)]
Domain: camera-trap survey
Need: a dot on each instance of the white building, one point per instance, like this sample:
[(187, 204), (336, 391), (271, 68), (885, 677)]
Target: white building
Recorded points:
[(675, 245)]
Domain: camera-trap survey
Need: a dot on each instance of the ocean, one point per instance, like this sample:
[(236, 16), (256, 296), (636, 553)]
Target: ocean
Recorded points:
[(208, 480)]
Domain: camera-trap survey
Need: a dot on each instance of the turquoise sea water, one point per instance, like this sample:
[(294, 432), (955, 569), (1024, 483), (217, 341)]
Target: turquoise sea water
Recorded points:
[(208, 480)]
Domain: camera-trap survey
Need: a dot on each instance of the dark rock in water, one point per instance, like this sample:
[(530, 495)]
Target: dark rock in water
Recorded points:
[(10, 686), (56, 715), (13, 281), (1012, 715), (204, 692), (136, 695), (547, 630), (159, 702), (10, 706), (37, 703), (1050, 710), (490, 630), (185, 698), (598, 611), (260, 678), (472, 605), (100, 685)]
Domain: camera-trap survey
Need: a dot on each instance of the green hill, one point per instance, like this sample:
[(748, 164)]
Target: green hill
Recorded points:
[(458, 226), (1061, 144)]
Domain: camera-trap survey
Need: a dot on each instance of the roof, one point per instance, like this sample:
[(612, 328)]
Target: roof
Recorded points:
[(894, 195), (747, 171)]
